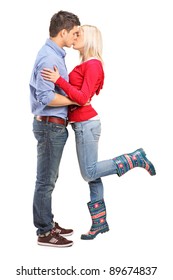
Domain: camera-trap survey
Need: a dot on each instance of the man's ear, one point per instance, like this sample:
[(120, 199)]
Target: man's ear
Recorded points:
[(63, 32)]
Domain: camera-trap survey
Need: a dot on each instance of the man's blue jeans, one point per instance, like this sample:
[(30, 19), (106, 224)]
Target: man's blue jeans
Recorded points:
[(51, 139), (87, 136)]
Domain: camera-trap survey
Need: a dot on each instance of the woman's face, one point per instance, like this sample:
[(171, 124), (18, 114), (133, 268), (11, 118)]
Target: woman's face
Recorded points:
[(79, 41)]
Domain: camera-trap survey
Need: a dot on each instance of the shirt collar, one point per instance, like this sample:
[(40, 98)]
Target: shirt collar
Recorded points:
[(56, 48)]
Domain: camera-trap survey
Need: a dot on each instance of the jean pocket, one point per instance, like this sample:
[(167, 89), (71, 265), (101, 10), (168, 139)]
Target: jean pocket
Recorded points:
[(40, 135), (58, 128), (96, 132), (58, 135)]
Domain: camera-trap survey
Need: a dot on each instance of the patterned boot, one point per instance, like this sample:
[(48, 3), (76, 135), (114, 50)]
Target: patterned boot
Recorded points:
[(136, 159), (98, 214)]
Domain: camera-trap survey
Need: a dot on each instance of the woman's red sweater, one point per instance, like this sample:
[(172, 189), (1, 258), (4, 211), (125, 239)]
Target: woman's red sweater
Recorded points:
[(85, 80)]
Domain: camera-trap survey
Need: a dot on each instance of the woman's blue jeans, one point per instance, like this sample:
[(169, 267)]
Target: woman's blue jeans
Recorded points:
[(51, 139), (87, 136)]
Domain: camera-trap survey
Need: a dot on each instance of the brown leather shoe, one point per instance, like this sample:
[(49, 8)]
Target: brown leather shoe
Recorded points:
[(54, 239), (62, 231)]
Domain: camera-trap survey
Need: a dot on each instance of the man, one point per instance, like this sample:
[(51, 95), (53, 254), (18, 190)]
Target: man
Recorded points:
[(49, 126)]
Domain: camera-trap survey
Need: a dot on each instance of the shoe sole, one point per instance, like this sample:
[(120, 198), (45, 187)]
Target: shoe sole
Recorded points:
[(85, 237), (54, 245), (152, 169)]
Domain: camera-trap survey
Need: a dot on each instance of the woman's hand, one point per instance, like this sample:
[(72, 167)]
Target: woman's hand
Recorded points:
[(50, 75)]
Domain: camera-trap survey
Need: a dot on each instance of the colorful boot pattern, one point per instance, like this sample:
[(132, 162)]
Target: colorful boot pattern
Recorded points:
[(136, 159), (99, 224)]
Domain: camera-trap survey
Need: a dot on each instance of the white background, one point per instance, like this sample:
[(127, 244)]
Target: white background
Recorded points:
[(136, 111)]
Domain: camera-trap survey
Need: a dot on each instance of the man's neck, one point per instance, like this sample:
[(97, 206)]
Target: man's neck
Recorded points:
[(57, 41)]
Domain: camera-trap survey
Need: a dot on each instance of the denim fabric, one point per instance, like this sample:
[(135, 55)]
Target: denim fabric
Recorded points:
[(87, 136), (51, 139)]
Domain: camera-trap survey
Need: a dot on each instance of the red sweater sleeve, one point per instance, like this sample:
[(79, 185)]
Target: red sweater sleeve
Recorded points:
[(92, 77)]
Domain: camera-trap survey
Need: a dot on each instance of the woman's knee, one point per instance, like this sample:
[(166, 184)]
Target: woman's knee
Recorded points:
[(86, 176)]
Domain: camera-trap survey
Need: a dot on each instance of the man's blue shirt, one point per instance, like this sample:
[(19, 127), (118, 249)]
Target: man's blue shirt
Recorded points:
[(42, 92)]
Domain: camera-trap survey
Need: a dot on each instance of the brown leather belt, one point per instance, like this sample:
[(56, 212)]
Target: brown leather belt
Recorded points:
[(52, 120)]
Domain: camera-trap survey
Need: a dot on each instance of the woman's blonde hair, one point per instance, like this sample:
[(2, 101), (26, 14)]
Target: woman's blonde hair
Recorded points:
[(92, 42)]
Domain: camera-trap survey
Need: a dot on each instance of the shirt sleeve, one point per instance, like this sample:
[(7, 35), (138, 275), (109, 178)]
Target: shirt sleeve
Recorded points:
[(90, 80), (45, 90)]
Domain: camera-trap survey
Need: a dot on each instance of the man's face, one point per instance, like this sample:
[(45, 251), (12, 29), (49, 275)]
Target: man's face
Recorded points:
[(70, 37)]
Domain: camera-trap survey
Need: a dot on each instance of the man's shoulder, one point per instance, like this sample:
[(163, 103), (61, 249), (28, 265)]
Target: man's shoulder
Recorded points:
[(47, 58)]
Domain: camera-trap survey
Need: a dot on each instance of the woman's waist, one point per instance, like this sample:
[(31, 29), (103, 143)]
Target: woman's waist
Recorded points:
[(84, 108), (81, 113)]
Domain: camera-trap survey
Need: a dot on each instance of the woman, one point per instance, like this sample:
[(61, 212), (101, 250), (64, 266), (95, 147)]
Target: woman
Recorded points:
[(86, 80)]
